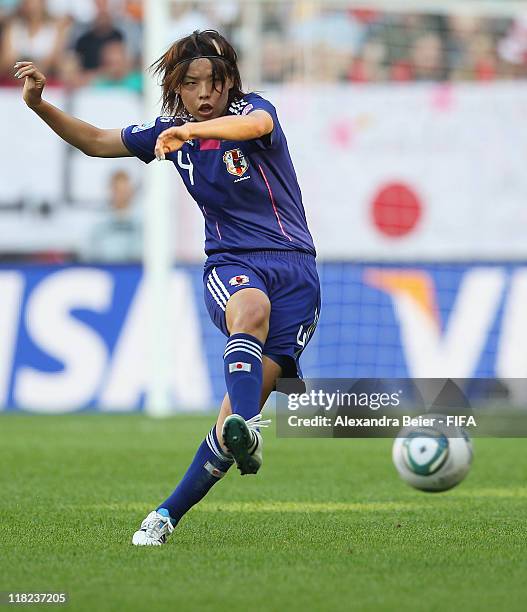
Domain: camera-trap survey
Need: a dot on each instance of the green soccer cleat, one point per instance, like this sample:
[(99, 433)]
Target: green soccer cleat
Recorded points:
[(244, 441)]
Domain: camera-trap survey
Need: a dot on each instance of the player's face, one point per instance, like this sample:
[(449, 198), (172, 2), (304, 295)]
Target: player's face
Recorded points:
[(199, 94)]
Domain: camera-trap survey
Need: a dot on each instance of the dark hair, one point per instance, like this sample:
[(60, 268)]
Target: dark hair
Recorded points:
[(172, 66)]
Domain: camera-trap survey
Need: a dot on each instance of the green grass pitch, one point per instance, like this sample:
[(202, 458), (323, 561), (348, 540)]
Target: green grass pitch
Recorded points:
[(326, 524)]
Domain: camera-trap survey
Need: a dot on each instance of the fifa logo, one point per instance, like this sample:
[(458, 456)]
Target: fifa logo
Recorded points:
[(235, 161)]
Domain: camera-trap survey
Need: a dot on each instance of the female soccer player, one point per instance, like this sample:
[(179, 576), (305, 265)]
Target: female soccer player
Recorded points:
[(260, 280)]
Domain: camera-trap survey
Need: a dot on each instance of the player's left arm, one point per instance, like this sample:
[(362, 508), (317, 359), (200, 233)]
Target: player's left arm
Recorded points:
[(239, 127)]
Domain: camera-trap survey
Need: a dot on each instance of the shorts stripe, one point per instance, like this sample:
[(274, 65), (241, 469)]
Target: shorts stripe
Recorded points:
[(219, 293), (212, 292), (220, 284)]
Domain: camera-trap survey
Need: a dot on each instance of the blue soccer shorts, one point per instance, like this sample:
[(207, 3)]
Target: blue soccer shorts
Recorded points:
[(290, 281)]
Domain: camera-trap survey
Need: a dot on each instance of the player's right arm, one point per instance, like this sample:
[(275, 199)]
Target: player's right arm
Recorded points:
[(89, 139)]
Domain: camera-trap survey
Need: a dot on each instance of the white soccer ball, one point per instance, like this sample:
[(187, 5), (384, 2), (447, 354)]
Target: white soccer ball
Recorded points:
[(433, 458)]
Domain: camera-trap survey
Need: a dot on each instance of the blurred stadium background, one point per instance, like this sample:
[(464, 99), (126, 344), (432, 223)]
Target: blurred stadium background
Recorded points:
[(407, 124)]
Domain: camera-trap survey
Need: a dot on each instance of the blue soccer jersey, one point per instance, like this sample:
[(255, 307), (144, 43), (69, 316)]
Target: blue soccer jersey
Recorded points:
[(247, 190)]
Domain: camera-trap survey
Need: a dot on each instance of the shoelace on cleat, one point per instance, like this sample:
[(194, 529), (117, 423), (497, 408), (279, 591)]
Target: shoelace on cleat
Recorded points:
[(256, 421), (254, 425), (152, 528)]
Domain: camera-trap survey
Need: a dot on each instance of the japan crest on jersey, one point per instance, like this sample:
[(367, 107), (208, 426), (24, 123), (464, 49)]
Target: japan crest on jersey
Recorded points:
[(235, 161)]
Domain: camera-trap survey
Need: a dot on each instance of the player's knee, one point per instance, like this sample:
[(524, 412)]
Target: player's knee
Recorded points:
[(251, 316)]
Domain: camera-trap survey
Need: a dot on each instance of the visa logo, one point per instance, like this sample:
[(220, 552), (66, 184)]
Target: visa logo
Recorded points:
[(76, 337), (436, 348)]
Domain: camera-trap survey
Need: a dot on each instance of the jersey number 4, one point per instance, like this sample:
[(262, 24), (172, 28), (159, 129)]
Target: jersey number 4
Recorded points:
[(189, 166)]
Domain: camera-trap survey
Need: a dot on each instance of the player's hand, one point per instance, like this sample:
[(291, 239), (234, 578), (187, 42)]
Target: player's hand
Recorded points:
[(171, 140), (34, 82)]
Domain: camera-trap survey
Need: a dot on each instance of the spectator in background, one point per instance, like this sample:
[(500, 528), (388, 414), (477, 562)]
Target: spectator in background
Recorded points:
[(119, 238), (327, 37), (276, 55), (470, 48), (460, 30), (427, 58), (117, 69), (368, 67), (32, 34), (275, 59), (333, 27), (101, 31), (482, 63), (512, 49)]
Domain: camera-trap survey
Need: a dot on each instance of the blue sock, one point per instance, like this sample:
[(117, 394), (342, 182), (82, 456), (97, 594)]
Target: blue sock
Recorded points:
[(208, 466), (243, 374)]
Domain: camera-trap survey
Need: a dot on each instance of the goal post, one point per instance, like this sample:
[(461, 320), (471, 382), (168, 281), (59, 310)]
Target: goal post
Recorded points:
[(159, 230)]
